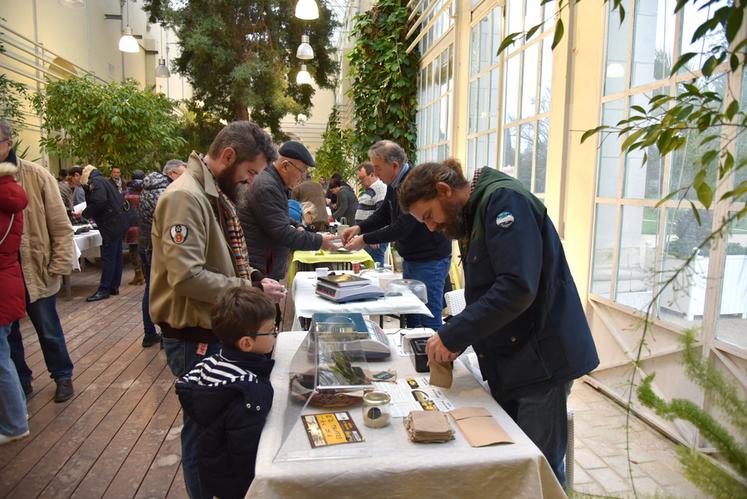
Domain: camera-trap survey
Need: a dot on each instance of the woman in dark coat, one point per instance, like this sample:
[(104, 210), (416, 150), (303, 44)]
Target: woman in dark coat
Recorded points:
[(13, 417)]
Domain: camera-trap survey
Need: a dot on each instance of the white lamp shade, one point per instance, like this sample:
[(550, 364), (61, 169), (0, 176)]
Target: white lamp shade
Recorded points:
[(128, 43), (303, 77), (307, 9), (162, 70), (304, 50), (73, 3)]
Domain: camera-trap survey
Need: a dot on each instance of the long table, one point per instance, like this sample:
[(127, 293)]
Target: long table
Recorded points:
[(387, 464)]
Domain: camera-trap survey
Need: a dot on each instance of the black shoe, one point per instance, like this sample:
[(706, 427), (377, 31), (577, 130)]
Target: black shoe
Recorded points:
[(64, 390), (114, 293), (151, 339), (27, 388), (98, 295)]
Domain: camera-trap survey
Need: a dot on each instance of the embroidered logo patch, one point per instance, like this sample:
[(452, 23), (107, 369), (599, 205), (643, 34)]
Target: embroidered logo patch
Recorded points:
[(178, 233), (504, 220)]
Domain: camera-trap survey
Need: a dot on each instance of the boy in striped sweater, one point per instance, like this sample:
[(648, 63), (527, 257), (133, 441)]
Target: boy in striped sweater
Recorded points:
[(229, 394)]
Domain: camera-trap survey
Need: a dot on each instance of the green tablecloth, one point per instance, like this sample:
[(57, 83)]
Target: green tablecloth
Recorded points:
[(321, 256)]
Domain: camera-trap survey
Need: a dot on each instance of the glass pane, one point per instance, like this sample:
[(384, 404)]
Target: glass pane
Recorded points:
[(472, 114), (549, 16), (546, 78), (434, 124), (510, 103), (450, 72), (435, 69), (732, 318), (653, 41), (533, 14), (604, 241), (694, 15), (684, 167), (526, 148), (617, 50), (428, 84), (485, 56), (483, 102), (529, 82), (497, 31), (451, 118), (493, 106), (471, 146), (482, 150), (741, 174), (636, 270), (492, 150), (444, 69), (609, 155), (543, 132), (508, 165), (514, 18), (443, 123), (682, 302), (643, 181)]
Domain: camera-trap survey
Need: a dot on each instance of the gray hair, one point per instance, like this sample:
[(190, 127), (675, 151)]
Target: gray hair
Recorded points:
[(6, 129), (388, 151), (172, 165)]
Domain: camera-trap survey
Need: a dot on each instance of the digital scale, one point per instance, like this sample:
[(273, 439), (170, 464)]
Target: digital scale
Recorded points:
[(343, 288)]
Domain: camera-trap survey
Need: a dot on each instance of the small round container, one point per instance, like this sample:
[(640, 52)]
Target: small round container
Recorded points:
[(376, 410)]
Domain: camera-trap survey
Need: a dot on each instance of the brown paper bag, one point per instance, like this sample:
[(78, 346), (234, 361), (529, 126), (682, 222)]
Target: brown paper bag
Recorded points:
[(479, 427), (441, 374)]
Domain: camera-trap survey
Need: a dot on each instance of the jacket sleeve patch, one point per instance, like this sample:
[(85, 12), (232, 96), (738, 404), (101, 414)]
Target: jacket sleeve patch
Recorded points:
[(504, 220), (178, 233)]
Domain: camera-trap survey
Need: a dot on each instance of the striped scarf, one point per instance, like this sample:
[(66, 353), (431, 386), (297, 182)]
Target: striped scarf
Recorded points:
[(235, 236)]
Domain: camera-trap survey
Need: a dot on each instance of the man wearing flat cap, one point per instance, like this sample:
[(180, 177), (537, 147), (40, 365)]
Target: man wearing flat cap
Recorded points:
[(264, 213)]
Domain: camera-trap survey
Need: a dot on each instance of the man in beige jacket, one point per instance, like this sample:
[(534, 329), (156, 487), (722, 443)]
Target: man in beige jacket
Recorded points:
[(199, 252), (46, 255)]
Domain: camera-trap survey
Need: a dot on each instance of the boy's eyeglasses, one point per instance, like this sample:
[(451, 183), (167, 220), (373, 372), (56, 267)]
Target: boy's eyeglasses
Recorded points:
[(273, 334)]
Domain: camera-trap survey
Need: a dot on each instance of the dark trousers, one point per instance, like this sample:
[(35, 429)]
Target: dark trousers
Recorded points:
[(43, 315), (111, 264), (181, 357), (148, 327), (543, 417)]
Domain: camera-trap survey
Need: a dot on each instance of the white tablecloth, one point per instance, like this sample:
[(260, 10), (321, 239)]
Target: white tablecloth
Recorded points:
[(88, 244), (393, 466), (308, 303)]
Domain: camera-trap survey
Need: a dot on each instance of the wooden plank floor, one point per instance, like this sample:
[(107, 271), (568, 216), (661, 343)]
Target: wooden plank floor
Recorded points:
[(119, 436)]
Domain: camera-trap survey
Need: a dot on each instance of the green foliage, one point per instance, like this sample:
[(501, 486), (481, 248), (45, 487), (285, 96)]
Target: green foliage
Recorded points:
[(107, 125), (336, 154), (240, 57), (385, 77), (711, 478), (197, 127)]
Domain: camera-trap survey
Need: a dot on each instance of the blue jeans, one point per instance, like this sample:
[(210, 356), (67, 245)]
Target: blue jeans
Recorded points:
[(181, 356), (543, 417), (377, 253), (111, 265), (43, 315), (432, 273), (14, 419), (148, 327)]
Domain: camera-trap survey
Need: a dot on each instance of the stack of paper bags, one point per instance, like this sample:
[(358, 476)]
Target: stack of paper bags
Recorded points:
[(479, 427), (428, 427)]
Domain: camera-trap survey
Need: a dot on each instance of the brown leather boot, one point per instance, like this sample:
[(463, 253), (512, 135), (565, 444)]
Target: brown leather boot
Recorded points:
[(138, 279)]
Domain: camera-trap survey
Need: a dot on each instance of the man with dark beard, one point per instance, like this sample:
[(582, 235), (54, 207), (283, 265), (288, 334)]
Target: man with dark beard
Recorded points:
[(199, 251), (523, 317)]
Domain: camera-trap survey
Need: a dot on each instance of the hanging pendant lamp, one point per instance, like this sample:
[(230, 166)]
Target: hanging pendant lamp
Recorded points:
[(307, 10), (303, 77), (304, 50)]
